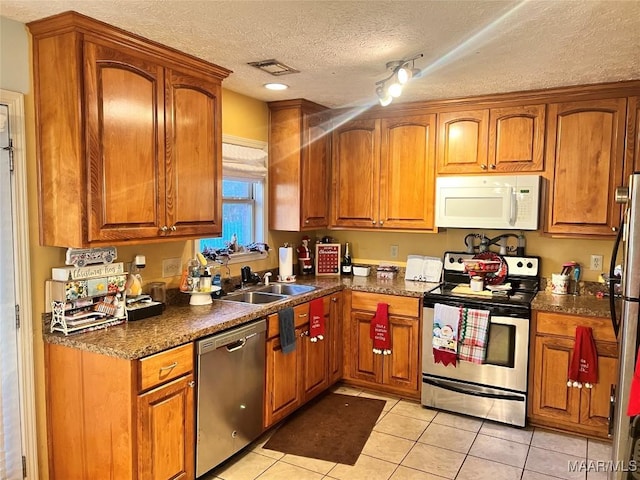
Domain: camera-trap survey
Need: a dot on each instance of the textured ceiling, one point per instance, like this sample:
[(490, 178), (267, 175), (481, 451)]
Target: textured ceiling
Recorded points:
[(341, 47)]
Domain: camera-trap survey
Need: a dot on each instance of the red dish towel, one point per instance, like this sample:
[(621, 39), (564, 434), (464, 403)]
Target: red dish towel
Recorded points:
[(474, 325), (316, 320), (634, 394), (446, 322), (584, 363), (379, 330)]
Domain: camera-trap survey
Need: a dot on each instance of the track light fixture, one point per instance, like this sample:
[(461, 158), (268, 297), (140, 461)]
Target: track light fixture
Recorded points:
[(401, 72)]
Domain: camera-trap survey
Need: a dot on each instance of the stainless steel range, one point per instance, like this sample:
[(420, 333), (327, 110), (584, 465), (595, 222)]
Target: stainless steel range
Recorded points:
[(495, 389)]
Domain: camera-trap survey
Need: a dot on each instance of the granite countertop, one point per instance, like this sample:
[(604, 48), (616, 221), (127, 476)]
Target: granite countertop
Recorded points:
[(180, 324), (587, 305)]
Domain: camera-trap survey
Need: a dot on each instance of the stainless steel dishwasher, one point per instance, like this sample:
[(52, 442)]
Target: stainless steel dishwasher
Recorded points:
[(231, 370)]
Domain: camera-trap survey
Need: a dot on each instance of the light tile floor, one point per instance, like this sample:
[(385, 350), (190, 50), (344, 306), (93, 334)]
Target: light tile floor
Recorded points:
[(410, 442)]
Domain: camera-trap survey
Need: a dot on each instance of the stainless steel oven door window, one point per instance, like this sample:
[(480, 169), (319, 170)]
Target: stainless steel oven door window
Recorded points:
[(507, 355)]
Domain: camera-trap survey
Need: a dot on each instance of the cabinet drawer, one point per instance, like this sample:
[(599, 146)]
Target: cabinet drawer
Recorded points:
[(565, 325), (407, 306), (164, 366), (300, 317)]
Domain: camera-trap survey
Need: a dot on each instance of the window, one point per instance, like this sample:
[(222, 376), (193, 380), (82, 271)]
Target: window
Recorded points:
[(243, 198)]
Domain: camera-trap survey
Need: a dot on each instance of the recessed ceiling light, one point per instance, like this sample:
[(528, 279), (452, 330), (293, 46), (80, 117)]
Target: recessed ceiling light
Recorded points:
[(276, 86)]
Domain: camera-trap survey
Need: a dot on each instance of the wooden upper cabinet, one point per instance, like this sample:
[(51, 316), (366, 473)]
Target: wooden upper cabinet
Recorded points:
[(585, 147), (632, 158), (356, 169), (299, 163), (462, 142), (383, 173), (516, 139), (407, 172), (128, 136), (504, 140)]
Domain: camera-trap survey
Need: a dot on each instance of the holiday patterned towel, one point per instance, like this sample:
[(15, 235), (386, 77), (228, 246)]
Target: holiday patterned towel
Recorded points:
[(316, 320), (474, 325), (379, 330), (583, 369), (446, 320), (634, 395)]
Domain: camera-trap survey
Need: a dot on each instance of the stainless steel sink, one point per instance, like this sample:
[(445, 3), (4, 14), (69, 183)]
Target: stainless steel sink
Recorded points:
[(286, 289), (254, 297)]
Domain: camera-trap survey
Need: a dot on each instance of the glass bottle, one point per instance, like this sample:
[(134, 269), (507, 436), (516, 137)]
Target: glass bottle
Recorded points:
[(345, 268)]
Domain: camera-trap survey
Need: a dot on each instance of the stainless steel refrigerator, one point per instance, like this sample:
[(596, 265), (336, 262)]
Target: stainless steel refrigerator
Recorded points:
[(625, 318)]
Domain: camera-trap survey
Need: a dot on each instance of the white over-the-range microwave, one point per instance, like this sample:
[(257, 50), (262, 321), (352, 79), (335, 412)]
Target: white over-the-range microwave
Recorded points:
[(501, 202)]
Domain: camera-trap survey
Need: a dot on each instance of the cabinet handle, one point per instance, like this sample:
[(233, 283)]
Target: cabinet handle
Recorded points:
[(483, 167), (169, 367), (305, 333), (614, 229), (492, 167), (302, 315), (174, 228), (192, 384), (334, 299), (164, 229)]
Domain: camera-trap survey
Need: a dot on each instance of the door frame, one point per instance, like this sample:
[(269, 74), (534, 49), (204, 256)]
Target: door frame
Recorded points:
[(21, 247)]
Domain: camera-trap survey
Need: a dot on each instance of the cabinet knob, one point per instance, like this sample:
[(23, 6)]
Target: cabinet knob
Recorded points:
[(483, 167), (373, 222), (174, 228), (192, 383), (614, 229), (305, 333), (380, 222), (334, 299), (306, 221), (492, 167), (164, 229)]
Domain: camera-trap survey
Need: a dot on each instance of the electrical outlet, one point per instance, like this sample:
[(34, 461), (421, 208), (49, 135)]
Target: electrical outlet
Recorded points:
[(170, 267), (394, 251), (596, 263)]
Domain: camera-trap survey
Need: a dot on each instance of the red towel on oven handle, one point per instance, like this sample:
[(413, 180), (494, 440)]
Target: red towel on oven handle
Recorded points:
[(583, 369), (379, 330), (634, 393), (316, 320)]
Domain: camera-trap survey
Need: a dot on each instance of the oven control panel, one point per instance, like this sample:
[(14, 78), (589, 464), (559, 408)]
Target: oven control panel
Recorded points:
[(521, 266)]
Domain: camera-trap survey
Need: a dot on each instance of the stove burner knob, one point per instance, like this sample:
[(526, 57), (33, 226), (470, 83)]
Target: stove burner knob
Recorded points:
[(529, 265), (519, 264), (460, 260), (452, 260)]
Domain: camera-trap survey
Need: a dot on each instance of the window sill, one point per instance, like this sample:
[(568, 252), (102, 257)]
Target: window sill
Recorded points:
[(246, 257)]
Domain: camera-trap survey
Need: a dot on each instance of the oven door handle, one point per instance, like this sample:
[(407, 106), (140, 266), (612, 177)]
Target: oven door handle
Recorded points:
[(477, 393)]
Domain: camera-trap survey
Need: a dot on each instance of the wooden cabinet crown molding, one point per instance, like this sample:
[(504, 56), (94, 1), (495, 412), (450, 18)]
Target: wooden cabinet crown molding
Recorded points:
[(71, 21)]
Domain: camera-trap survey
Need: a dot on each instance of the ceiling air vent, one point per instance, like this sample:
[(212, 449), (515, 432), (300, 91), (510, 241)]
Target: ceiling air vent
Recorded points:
[(274, 67)]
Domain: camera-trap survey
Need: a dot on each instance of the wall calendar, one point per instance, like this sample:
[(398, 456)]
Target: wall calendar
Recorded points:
[(327, 259)]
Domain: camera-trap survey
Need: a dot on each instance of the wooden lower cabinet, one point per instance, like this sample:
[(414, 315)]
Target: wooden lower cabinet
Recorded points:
[(294, 378), (554, 404), (102, 425), (398, 372)]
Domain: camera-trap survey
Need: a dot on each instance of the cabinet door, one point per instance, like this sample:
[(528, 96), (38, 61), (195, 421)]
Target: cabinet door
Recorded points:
[(193, 173), (400, 369), (125, 144), (407, 172), (365, 365), (333, 323), (585, 145), (633, 137), (594, 404), (314, 378), (166, 435), (316, 149), (462, 146), (552, 399), (516, 139), (283, 373), (356, 170)]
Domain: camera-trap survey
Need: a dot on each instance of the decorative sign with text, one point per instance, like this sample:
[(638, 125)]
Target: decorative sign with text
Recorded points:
[(328, 259)]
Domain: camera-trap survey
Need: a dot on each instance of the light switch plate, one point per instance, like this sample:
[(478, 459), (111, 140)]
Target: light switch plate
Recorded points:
[(170, 267)]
